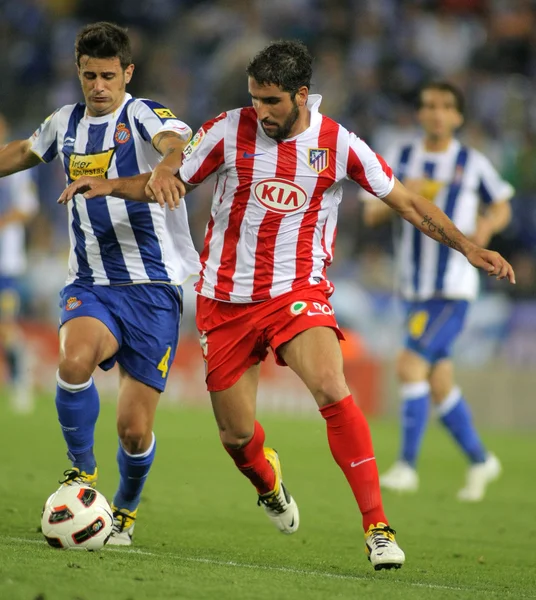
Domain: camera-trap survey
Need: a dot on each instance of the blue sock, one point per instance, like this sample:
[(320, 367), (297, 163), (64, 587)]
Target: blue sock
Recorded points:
[(455, 415), (133, 471), (415, 408), (78, 409)]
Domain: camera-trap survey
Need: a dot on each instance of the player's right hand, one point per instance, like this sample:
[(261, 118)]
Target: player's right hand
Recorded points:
[(89, 187), (165, 187)]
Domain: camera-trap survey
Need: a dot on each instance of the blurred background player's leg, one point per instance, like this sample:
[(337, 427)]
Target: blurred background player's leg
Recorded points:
[(17, 360), (455, 414), (412, 371)]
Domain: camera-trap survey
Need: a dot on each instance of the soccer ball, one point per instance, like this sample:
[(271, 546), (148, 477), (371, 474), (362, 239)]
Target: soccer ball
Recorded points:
[(77, 517)]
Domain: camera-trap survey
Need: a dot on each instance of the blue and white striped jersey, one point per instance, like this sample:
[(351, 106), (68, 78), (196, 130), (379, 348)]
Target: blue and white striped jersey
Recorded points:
[(115, 241), (458, 180)]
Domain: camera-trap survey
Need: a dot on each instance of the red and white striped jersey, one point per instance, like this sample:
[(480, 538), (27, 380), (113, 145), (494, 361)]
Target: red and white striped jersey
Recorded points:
[(274, 210)]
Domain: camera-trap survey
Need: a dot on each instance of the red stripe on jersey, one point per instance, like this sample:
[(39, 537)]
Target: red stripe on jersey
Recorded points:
[(213, 161), (245, 142), (287, 161), (210, 124), (327, 138), (385, 167), (356, 171)]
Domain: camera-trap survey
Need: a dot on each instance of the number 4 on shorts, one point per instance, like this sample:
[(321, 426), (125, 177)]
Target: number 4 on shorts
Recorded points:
[(163, 365)]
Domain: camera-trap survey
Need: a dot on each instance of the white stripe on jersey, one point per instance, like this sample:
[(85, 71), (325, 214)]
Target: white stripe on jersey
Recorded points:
[(93, 251)]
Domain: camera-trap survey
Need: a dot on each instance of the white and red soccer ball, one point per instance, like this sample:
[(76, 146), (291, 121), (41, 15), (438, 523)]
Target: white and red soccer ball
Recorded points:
[(77, 517)]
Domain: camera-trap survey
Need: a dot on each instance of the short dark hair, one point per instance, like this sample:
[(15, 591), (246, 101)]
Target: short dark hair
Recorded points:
[(103, 40), (444, 86), (286, 63)]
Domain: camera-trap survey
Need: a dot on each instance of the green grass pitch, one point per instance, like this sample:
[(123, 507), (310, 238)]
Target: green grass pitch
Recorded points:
[(200, 534)]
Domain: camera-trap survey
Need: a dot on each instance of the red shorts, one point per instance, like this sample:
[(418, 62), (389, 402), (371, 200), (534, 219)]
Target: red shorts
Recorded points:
[(236, 336)]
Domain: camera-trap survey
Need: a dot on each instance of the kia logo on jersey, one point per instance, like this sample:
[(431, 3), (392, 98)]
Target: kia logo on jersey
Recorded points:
[(280, 195)]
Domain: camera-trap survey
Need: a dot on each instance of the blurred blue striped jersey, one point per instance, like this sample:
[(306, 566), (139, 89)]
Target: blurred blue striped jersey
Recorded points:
[(459, 181), (115, 241)]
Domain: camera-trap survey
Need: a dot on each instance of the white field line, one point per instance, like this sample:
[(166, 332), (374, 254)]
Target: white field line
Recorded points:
[(307, 572)]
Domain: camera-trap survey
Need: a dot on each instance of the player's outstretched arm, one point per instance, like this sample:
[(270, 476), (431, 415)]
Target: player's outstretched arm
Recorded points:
[(433, 222), (17, 156), (162, 187)]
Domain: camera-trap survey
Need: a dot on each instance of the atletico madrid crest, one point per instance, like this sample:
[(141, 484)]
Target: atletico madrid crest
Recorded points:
[(319, 159)]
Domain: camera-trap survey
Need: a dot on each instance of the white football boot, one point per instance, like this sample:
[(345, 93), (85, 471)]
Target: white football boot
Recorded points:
[(278, 504), (478, 477), (401, 477), (382, 549), (123, 528)]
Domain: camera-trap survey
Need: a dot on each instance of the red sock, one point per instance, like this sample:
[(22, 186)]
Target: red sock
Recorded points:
[(251, 461), (351, 445)]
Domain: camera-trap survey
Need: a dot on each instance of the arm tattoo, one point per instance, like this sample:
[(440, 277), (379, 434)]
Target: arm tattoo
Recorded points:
[(443, 237), (163, 136)]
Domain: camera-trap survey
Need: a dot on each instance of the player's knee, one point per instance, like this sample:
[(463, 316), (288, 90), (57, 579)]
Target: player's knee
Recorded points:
[(329, 387), (135, 439), (235, 438), (410, 369), (76, 367)]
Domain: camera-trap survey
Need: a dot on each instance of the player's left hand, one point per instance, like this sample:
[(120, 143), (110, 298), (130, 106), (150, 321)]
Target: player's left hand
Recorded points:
[(164, 187), (90, 187), (491, 262)]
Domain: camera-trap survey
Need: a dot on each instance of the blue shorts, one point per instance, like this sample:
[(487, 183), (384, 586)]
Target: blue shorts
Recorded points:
[(143, 318), (433, 325), (9, 298)]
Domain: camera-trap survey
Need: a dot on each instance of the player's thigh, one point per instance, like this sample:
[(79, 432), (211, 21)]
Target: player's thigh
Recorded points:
[(136, 409), (86, 342), (149, 317), (89, 334), (441, 379), (411, 367), (234, 408), (231, 341), (315, 356)]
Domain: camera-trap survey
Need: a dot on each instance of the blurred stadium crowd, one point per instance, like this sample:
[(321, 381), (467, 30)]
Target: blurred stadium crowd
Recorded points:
[(370, 58)]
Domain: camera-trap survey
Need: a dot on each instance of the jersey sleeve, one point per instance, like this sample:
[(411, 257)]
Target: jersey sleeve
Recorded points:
[(205, 154), (491, 186), (44, 140), (368, 169), (152, 118)]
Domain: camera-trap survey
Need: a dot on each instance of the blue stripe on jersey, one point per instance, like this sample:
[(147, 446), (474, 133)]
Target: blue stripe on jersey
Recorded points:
[(483, 191), (429, 169), (405, 155), (95, 138), (100, 219), (80, 239), (452, 197), (163, 113), (143, 131), (140, 213), (52, 151)]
